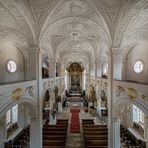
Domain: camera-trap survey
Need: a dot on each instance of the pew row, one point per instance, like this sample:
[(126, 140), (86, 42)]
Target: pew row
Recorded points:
[(95, 136), (54, 136)]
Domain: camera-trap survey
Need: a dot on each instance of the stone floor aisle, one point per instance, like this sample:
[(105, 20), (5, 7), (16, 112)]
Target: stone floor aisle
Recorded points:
[(75, 140)]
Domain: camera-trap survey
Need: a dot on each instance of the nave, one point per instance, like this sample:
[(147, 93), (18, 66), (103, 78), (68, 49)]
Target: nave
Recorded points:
[(78, 139)]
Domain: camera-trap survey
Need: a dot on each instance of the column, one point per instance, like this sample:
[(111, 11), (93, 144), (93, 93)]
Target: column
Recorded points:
[(117, 63), (26, 69), (110, 101), (3, 132), (123, 73), (34, 133), (21, 115), (52, 68), (98, 67), (58, 69), (33, 60), (116, 133), (40, 96), (146, 129)]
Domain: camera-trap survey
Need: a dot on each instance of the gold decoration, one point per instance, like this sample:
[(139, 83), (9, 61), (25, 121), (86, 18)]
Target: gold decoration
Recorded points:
[(132, 93), (17, 94), (143, 97), (30, 89), (119, 91)]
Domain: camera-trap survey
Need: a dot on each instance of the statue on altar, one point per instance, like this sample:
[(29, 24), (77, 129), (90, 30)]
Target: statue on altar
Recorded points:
[(92, 95)]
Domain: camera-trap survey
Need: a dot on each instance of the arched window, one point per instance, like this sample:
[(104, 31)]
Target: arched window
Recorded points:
[(105, 69), (138, 66), (138, 115), (12, 115)]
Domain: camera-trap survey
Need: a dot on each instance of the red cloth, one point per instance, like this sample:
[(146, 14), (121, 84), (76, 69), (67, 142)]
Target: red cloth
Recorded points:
[(75, 123)]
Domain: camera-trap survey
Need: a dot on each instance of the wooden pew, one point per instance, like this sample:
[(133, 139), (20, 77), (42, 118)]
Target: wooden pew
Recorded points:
[(54, 132), (57, 125), (54, 136), (96, 132), (54, 142), (96, 137), (94, 146), (97, 142), (46, 137), (94, 128), (54, 146), (61, 121), (87, 121), (93, 125), (55, 128)]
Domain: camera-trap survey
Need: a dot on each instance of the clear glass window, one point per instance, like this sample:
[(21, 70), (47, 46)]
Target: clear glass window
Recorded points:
[(8, 117), (138, 66), (11, 66), (12, 115), (105, 69), (138, 115)]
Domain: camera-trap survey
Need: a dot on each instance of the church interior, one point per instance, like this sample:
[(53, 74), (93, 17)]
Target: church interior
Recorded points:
[(73, 74)]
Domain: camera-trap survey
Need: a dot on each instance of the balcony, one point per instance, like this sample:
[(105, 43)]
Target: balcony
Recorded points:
[(15, 91)]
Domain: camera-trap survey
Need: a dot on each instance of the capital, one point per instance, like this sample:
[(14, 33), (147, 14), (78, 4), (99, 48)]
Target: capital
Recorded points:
[(33, 49), (116, 51), (116, 119)]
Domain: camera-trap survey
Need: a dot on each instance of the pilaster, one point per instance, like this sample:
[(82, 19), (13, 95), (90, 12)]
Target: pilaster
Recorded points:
[(124, 66), (117, 64), (146, 129), (52, 68), (98, 67), (33, 60), (110, 101), (117, 142)]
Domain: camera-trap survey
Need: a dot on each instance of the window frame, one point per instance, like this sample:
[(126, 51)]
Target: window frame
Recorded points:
[(105, 66), (9, 60), (9, 114), (142, 62), (140, 115), (8, 123)]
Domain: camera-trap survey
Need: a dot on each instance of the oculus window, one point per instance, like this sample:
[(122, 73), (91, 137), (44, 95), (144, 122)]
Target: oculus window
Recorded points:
[(11, 66), (138, 66)]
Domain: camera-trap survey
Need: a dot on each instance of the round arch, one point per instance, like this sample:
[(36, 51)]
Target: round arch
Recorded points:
[(29, 102), (124, 100)]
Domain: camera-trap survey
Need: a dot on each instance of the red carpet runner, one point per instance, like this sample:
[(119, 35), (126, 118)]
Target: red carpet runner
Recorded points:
[(75, 123)]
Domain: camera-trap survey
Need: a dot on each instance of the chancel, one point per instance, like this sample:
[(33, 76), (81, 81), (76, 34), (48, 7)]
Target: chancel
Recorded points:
[(73, 74)]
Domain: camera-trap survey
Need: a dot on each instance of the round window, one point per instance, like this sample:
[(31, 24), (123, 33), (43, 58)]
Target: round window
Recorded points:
[(138, 66), (11, 66)]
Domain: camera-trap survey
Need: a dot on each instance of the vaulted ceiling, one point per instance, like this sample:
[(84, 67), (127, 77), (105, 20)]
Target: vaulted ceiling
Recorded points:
[(74, 30)]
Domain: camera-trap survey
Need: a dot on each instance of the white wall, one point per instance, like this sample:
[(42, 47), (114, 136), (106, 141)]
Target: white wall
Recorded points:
[(140, 52), (10, 52)]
